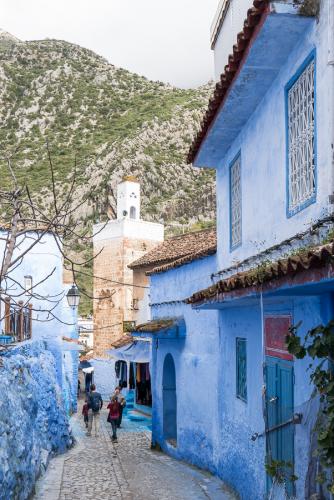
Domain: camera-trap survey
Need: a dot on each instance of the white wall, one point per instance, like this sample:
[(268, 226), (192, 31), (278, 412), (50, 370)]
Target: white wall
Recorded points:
[(127, 228), (236, 13), (128, 195)]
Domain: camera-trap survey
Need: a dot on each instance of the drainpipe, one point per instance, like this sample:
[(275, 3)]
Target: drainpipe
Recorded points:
[(262, 328), (330, 63)]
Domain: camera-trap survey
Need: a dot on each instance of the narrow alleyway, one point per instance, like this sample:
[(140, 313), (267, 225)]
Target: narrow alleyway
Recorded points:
[(97, 469)]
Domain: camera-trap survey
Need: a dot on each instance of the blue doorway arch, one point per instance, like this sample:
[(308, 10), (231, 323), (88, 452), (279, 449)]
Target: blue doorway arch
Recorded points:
[(169, 399)]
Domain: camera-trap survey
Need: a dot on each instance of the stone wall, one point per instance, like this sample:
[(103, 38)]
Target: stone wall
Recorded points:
[(115, 305), (33, 422)]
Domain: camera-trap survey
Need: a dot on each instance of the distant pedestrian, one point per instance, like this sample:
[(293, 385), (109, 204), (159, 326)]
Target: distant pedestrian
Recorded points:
[(95, 404), (113, 415), (85, 412), (88, 381), (122, 403), (79, 387)]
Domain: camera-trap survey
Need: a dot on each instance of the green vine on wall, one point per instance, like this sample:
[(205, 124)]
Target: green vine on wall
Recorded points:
[(319, 345)]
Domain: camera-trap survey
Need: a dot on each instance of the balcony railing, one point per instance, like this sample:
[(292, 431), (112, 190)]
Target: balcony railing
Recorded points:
[(17, 322)]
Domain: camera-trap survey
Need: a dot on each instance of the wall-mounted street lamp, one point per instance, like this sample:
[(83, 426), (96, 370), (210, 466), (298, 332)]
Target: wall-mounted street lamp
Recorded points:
[(73, 297)]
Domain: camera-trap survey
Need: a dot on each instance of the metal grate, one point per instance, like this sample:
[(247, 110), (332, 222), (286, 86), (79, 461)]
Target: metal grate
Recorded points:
[(301, 139), (241, 362), (235, 194)]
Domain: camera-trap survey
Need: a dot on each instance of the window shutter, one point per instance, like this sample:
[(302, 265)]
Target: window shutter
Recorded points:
[(241, 362)]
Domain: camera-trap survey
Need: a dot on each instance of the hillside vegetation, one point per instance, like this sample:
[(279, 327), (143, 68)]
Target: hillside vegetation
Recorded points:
[(110, 122)]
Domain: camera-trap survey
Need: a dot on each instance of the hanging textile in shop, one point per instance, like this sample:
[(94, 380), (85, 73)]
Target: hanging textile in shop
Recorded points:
[(123, 379), (143, 384), (132, 383)]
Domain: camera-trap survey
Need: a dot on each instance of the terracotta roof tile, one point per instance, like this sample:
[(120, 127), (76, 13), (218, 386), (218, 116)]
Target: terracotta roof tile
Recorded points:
[(205, 252), (155, 325), (177, 251), (315, 257), (122, 341), (254, 18)]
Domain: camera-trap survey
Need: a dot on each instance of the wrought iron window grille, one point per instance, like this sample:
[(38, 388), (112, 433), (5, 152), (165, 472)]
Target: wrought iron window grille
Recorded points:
[(235, 203), (301, 139)]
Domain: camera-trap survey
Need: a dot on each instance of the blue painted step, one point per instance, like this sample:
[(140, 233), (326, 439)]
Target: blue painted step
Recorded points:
[(137, 417)]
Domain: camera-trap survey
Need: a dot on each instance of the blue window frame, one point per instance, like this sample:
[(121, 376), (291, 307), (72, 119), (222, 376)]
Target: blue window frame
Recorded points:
[(300, 105), (241, 365), (235, 203)]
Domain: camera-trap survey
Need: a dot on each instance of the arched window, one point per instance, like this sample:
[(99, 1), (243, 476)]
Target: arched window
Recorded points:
[(132, 212)]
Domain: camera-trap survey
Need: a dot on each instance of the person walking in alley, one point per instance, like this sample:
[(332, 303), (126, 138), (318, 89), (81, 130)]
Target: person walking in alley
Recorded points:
[(88, 381), (85, 412), (122, 403), (95, 404), (113, 416)]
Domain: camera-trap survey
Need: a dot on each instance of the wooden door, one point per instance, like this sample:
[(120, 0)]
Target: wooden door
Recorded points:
[(279, 406)]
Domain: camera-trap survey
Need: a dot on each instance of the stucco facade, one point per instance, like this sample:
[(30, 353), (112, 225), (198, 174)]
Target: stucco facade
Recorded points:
[(196, 366), (44, 265), (223, 418), (262, 147)]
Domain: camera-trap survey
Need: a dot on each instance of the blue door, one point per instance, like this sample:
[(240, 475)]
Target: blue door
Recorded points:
[(169, 400), (279, 414)]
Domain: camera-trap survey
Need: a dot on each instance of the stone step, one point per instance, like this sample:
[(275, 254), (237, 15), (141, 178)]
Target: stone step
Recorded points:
[(137, 418)]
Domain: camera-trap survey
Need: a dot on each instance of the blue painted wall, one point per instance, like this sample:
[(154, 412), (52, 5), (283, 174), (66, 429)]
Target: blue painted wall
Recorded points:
[(262, 144), (214, 426), (33, 421), (44, 263), (196, 365), (241, 460)]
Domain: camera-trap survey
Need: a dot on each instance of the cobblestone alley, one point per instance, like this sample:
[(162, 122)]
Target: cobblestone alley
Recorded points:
[(97, 469)]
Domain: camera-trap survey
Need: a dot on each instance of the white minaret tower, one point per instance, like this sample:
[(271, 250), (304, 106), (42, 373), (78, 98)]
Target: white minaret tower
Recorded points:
[(117, 243), (128, 199)]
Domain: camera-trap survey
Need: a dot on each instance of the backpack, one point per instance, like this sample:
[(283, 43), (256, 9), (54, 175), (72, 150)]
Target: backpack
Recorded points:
[(94, 402)]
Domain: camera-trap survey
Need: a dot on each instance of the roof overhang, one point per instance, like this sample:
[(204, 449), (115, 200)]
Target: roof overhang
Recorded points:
[(162, 328), (286, 289), (137, 351), (310, 281), (279, 29)]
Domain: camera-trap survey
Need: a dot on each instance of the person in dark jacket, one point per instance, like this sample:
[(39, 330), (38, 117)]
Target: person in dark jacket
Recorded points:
[(122, 403), (85, 413), (113, 416), (95, 404), (88, 381)]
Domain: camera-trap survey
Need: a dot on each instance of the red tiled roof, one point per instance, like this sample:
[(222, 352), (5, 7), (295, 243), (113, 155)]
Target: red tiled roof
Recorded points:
[(304, 260), (210, 250), (255, 16), (177, 251), (122, 341), (155, 325)]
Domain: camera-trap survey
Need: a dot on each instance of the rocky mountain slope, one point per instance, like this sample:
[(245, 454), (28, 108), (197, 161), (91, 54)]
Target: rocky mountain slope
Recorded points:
[(108, 121), (112, 121)]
